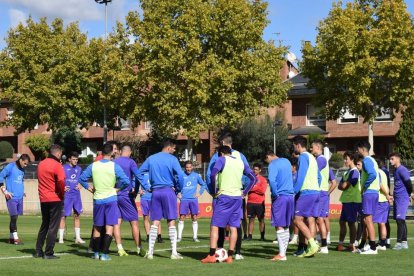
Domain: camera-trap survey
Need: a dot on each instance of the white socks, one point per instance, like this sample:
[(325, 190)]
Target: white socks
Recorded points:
[(152, 238), (180, 229), (15, 236), (195, 229), (61, 232), (120, 247), (283, 239), (172, 232), (77, 233)]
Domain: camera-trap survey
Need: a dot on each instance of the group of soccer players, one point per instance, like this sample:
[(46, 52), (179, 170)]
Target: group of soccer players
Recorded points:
[(299, 191)]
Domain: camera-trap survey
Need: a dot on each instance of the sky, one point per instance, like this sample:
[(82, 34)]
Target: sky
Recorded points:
[(291, 21)]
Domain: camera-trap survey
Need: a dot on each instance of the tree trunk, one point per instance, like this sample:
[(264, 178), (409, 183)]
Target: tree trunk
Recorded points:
[(371, 136)]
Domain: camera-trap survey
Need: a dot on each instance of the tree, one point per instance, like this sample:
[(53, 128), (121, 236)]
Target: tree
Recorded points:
[(6, 150), (202, 64), (363, 60), (136, 144), (69, 139), (45, 73), (254, 137), (38, 144), (404, 137)]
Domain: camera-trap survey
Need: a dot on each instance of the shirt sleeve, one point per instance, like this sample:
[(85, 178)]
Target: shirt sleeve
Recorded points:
[(60, 181), (249, 173), (218, 167), (210, 167), (180, 175), (273, 176), (121, 177), (369, 167), (321, 161), (303, 165), (331, 175), (405, 178), (85, 176), (144, 169), (353, 177), (5, 173), (201, 183)]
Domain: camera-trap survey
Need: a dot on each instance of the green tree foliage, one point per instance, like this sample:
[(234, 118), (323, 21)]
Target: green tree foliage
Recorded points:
[(202, 64), (38, 144), (6, 150), (405, 134), (254, 138), (136, 144), (46, 72), (363, 60), (69, 139)]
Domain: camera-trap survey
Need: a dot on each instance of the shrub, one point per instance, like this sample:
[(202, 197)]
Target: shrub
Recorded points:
[(6, 150)]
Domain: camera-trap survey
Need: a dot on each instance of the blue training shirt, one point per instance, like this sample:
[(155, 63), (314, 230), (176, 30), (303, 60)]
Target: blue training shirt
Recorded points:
[(130, 169), (280, 177), (162, 168), (147, 194), (189, 190), (14, 176)]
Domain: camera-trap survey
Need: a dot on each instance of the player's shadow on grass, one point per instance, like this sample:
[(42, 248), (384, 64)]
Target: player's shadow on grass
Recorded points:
[(4, 240), (196, 255), (263, 251), (30, 251)]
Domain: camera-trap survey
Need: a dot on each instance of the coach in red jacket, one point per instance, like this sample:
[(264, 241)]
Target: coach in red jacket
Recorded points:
[(255, 203), (51, 177)]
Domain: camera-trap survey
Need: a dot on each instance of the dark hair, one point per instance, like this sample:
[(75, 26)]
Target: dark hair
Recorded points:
[(257, 165), (107, 149), (224, 150), (168, 143), (363, 144), (73, 154), (55, 149), (112, 143), (350, 154), (395, 154), (300, 140), (226, 138), (188, 162), (24, 157), (294, 162), (269, 153)]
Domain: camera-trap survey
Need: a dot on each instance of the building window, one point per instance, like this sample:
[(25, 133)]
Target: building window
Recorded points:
[(148, 125), (10, 112), (314, 116), (385, 115), (125, 124), (348, 118)]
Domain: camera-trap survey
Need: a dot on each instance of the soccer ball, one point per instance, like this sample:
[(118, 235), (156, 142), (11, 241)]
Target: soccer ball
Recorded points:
[(221, 255)]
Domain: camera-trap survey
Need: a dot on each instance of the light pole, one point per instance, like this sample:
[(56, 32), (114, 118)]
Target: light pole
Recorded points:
[(276, 123), (105, 126)]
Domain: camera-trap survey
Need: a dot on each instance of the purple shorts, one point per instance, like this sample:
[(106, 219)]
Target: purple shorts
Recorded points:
[(189, 206), (15, 207), (400, 207), (369, 203), (127, 208), (323, 204), (163, 204), (350, 211), (145, 207), (282, 211), (72, 203), (105, 214), (381, 213), (227, 210), (307, 206)]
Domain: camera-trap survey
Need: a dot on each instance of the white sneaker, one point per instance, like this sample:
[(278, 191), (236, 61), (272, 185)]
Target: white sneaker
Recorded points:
[(61, 241), (369, 252), (239, 257), (366, 247), (79, 241), (176, 256), (404, 245), (398, 246), (149, 256), (382, 248), (324, 250), (275, 241), (178, 240), (196, 240), (294, 241)]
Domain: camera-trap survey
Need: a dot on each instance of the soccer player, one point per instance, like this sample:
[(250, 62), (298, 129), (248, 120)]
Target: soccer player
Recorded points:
[(104, 174), (72, 199), (402, 190), (189, 199), (256, 202), (227, 209), (13, 176), (126, 201), (323, 166), (294, 237), (145, 202), (227, 140), (351, 201), (281, 187), (383, 208), (307, 192), (370, 187), (163, 167), (382, 166)]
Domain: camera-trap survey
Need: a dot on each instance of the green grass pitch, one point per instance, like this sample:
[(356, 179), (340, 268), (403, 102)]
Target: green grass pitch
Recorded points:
[(17, 260)]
